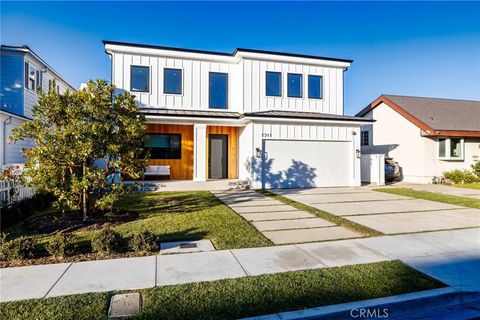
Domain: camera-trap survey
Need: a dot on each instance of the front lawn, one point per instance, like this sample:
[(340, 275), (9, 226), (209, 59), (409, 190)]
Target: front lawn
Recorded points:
[(433, 196), (170, 216), (241, 297), (467, 185)]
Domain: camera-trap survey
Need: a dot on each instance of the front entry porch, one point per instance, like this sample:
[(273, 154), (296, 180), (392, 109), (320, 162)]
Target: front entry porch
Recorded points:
[(194, 152)]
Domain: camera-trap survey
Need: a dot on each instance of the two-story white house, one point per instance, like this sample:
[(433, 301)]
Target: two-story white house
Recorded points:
[(273, 119), (22, 74)]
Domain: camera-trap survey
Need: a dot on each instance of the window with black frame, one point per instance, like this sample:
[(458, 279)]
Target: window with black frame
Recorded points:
[(139, 79), (273, 84), (172, 81), (218, 90), (295, 87), (164, 145)]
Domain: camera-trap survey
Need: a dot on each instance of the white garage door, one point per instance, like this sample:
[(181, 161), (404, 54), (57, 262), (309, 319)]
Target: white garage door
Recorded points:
[(302, 164)]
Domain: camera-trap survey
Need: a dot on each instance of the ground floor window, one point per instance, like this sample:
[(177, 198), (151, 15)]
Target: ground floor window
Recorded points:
[(164, 145), (450, 149)]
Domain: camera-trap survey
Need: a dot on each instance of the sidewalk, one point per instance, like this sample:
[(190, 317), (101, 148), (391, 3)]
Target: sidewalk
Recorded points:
[(450, 256)]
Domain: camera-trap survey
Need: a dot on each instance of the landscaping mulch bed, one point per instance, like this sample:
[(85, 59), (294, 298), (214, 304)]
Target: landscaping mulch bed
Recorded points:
[(73, 222)]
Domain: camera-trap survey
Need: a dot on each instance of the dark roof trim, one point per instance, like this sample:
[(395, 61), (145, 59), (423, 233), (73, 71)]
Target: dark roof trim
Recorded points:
[(296, 55), (306, 115), (235, 115), (105, 42), (195, 114)]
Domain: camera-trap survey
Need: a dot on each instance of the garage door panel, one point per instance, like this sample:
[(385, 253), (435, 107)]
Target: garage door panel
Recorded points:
[(301, 164)]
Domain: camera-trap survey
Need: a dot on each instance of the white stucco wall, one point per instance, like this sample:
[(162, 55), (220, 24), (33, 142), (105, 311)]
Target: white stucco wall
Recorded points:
[(398, 138)]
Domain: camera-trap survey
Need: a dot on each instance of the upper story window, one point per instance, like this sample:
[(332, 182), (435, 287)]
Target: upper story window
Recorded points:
[(139, 79), (218, 90), (364, 138), (172, 81), (450, 148), (31, 76), (164, 145), (294, 85), (273, 81), (315, 87)]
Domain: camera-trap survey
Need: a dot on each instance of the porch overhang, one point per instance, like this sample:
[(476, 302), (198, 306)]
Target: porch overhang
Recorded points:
[(235, 119)]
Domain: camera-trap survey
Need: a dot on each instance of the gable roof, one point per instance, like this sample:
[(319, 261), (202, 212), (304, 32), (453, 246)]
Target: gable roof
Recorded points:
[(435, 116)]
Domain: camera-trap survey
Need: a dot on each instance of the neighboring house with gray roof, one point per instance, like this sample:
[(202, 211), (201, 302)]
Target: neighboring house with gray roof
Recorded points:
[(426, 136)]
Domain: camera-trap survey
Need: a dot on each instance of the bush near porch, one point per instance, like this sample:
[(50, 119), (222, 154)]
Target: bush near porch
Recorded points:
[(168, 216)]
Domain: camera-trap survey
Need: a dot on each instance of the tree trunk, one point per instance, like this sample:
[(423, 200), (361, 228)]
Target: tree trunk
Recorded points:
[(85, 199)]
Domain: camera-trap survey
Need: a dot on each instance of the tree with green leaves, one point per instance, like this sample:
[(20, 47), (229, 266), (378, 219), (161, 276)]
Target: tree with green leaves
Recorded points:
[(72, 132)]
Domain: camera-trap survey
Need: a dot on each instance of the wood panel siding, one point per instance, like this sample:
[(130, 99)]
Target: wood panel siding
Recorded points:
[(232, 133), (180, 169)]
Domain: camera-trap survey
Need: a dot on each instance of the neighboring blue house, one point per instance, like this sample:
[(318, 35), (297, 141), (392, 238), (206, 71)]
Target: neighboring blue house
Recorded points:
[(22, 74)]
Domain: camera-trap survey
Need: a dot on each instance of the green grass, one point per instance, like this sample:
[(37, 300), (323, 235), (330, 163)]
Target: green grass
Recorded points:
[(433, 196), (174, 216), (241, 297), (325, 215), (467, 185)]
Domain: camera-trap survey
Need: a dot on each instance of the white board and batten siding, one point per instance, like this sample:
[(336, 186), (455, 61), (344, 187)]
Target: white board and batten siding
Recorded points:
[(246, 83), (255, 98), (195, 79), (289, 135)]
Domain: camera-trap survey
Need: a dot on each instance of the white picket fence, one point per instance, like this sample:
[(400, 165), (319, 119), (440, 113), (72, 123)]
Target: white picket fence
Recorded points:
[(22, 192)]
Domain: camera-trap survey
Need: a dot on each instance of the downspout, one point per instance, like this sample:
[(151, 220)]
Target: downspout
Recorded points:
[(4, 142)]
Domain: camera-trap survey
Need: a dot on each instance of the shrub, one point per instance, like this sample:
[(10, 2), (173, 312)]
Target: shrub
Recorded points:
[(476, 169), (106, 242), (61, 245), (21, 210), (19, 248), (461, 176), (144, 242)]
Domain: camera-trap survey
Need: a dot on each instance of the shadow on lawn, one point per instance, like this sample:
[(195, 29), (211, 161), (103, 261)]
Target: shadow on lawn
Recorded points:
[(148, 204)]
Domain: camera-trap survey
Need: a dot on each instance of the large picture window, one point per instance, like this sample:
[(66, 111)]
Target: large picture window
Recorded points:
[(450, 149), (273, 84), (294, 85), (218, 90), (172, 81), (139, 79), (164, 145)]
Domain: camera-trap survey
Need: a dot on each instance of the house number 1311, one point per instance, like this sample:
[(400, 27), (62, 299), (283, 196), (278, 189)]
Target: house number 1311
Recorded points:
[(266, 135)]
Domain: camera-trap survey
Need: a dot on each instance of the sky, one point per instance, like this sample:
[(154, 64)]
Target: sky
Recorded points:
[(406, 48)]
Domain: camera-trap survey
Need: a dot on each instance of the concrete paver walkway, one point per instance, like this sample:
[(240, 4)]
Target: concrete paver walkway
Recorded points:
[(453, 257), (281, 223)]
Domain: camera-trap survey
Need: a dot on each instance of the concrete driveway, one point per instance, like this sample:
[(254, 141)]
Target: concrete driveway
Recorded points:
[(387, 213)]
